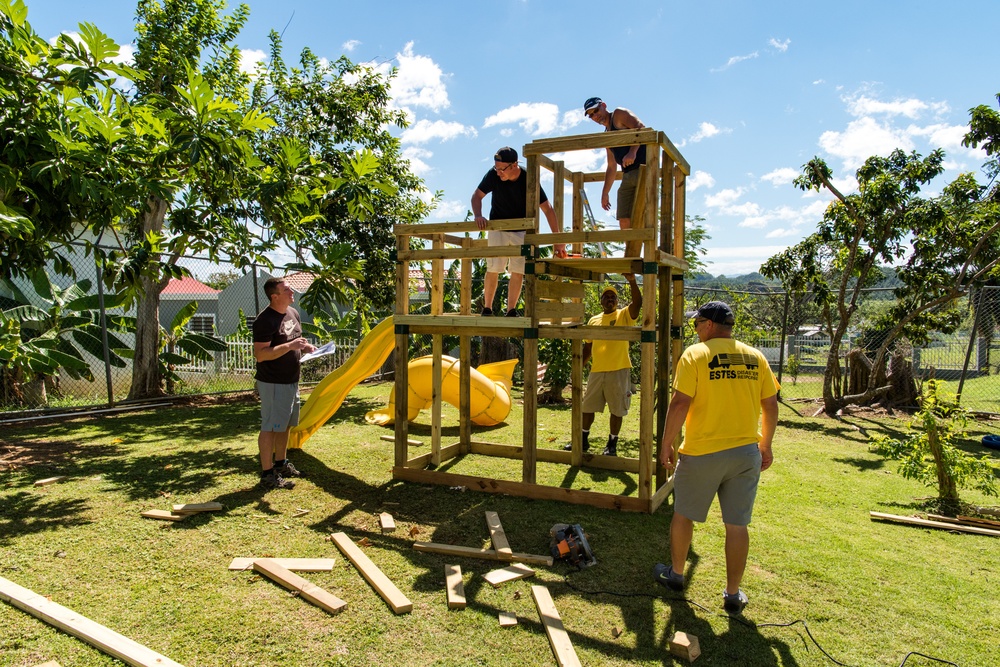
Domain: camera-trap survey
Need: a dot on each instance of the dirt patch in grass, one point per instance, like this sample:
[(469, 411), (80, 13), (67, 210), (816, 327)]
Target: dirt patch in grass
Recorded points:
[(46, 452)]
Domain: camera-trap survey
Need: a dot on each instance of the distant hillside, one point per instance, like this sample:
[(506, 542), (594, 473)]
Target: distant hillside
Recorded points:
[(755, 282)]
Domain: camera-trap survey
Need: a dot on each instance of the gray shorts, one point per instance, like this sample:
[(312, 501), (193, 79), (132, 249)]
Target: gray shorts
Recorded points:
[(626, 193), (279, 406), (732, 474), (499, 264), (613, 388)]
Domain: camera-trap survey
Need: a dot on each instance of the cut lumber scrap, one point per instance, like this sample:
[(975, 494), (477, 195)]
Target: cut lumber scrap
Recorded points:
[(482, 554), (50, 480), (507, 619), (194, 508), (498, 536), (50, 663), (387, 522), (456, 589), (164, 515), (82, 627), (685, 646), (562, 647), (974, 520), (409, 441), (294, 564), (512, 573), (913, 521), (306, 589), (399, 603)]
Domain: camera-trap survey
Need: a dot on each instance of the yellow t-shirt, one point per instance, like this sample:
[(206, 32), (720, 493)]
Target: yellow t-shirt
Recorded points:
[(727, 381), (610, 355)]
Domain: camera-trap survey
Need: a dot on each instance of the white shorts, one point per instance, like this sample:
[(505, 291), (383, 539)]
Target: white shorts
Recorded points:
[(499, 264)]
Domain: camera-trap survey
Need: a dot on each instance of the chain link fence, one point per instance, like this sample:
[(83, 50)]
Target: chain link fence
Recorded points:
[(783, 326), (798, 347)]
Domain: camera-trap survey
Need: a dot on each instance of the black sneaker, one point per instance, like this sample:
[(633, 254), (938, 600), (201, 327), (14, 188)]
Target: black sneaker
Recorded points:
[(665, 576), (611, 449), (273, 480), (487, 311), (734, 604), (513, 313), (288, 470), (568, 447)]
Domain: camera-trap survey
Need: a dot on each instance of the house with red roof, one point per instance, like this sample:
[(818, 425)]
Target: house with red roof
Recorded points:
[(181, 291)]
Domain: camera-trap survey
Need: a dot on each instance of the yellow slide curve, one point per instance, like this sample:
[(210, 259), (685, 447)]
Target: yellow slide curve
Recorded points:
[(489, 395), (328, 395)]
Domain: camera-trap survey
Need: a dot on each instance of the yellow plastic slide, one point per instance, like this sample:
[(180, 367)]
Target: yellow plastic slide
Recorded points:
[(331, 392), (489, 396)]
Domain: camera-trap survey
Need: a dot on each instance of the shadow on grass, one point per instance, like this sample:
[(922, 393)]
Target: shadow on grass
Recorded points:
[(26, 513), (864, 465)]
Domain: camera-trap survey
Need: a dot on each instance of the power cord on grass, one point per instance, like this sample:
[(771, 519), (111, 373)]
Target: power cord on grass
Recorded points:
[(742, 621)]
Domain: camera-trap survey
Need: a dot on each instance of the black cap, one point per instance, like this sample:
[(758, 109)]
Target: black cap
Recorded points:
[(715, 311), (506, 154), (591, 103)]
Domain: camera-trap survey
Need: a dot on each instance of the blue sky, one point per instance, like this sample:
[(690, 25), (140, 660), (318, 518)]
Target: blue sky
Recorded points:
[(749, 91)]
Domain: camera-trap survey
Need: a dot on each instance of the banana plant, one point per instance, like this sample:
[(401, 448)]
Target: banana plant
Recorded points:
[(179, 346), (47, 336)]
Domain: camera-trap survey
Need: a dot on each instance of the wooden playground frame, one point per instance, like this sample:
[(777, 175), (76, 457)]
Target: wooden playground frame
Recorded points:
[(554, 309)]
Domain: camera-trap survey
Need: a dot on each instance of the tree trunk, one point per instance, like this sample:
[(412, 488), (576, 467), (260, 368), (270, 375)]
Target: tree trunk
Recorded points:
[(903, 385), (859, 371), (34, 393), (946, 483), (145, 365)]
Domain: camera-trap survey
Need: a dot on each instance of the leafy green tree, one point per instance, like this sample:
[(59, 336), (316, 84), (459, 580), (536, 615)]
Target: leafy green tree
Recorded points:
[(932, 456), (942, 245)]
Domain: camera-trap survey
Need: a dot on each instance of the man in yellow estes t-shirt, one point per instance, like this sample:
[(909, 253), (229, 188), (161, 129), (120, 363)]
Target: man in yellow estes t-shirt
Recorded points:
[(609, 382), (721, 387)]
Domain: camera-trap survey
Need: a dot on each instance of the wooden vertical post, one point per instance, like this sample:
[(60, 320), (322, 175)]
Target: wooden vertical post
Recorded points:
[(678, 285), (647, 368), (530, 414), (576, 410), (664, 358), (577, 248), (465, 357), (559, 191), (402, 349), (437, 343)]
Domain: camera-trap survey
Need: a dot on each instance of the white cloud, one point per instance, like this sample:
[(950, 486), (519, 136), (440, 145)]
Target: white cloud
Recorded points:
[(862, 105), (740, 260), (449, 211), (735, 60), (585, 161), (705, 131), (126, 55), (699, 179), (780, 46), (780, 177), (350, 45), (417, 157), (425, 130), (419, 81), (862, 139), (948, 137), (724, 197), (249, 59), (535, 118)]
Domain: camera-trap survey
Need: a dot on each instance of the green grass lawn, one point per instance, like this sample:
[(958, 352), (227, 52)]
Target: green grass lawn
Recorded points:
[(869, 592)]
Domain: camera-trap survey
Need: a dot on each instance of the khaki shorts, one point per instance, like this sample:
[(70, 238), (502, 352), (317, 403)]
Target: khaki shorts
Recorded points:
[(732, 474), (499, 264), (626, 193), (613, 388)]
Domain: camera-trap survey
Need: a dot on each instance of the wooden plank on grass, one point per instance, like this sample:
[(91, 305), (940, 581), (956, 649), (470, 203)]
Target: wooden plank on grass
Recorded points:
[(512, 573), (498, 536), (194, 508), (483, 554), (913, 521), (164, 515), (399, 603), (82, 627), (50, 663), (306, 589), (456, 589), (294, 564), (507, 619), (50, 480), (562, 647), (387, 522)]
